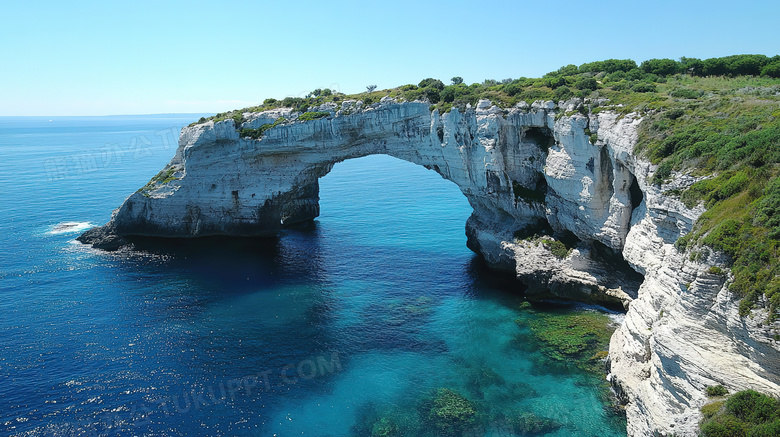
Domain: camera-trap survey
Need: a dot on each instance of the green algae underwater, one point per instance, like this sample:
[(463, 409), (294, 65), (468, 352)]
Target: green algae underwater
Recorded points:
[(571, 338), (559, 338)]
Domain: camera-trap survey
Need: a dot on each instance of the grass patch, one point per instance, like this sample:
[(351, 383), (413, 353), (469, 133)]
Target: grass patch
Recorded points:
[(313, 115), (161, 178), (256, 134), (710, 410)]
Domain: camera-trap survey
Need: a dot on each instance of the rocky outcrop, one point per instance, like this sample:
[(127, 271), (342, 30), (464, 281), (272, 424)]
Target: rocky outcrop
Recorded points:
[(559, 197)]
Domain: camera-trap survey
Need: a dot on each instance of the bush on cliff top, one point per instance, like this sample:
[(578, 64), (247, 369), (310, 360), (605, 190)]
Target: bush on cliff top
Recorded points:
[(622, 75)]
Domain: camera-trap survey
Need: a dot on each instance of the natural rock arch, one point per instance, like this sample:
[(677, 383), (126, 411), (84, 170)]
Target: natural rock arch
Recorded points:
[(516, 168)]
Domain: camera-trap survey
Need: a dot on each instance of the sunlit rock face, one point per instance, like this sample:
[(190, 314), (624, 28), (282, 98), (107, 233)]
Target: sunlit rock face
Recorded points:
[(531, 173)]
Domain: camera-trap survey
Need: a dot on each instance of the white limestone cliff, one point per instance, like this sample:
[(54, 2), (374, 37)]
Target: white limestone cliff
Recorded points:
[(523, 170)]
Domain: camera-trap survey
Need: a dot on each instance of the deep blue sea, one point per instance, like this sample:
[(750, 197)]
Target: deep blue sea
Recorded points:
[(330, 326)]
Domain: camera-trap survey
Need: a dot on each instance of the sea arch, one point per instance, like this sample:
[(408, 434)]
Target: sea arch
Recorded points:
[(521, 170)]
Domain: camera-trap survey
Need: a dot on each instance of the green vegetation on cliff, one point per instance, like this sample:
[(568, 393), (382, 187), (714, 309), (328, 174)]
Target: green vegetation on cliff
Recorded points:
[(744, 414), (256, 134), (163, 177)]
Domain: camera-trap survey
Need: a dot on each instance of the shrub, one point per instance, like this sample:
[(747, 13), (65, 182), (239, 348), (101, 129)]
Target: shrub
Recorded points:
[(635, 74), (661, 67), (562, 93), (313, 115), (432, 94), (747, 413), (620, 86), (663, 172), (716, 390), (674, 114), (586, 84), (557, 248), (771, 70), (726, 426), (643, 87), (568, 70), (447, 95), (296, 103), (725, 237), (685, 93), (256, 134), (432, 83), (608, 66), (743, 404), (771, 429), (768, 208)]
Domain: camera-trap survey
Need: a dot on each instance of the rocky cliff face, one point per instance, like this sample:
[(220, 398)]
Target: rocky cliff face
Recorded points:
[(534, 175)]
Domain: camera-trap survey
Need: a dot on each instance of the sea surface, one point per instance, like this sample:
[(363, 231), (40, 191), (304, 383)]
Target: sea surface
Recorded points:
[(329, 329)]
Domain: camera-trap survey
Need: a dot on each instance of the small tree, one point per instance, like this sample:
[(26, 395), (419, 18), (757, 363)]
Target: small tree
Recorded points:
[(447, 95), (370, 88), (661, 67), (457, 80), (771, 70), (431, 83), (586, 84)]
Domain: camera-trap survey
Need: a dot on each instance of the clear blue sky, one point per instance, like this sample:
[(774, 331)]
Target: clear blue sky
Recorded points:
[(106, 57)]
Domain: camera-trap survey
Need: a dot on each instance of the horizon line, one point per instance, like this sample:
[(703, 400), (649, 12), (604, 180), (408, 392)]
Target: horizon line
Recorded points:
[(114, 115)]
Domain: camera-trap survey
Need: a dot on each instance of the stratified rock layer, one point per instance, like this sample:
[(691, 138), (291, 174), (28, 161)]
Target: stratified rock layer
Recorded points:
[(523, 170)]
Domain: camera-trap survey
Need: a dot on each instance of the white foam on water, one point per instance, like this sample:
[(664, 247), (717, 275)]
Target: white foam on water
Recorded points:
[(69, 227)]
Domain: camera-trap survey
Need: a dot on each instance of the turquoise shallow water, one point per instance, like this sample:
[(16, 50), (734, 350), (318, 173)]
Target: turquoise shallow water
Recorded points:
[(360, 315)]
